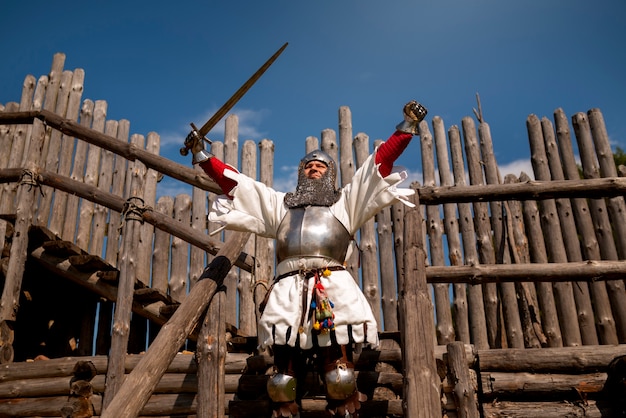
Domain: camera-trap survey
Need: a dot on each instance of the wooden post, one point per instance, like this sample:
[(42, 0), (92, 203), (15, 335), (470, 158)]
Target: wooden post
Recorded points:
[(421, 385), (24, 214), (368, 248), (434, 229), (211, 356), (484, 243), (460, 327), (126, 286), (458, 374), (476, 321), (140, 383), (550, 223), (605, 324)]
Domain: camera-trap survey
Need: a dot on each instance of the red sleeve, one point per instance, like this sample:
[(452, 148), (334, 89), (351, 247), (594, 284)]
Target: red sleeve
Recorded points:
[(390, 150), (215, 169)]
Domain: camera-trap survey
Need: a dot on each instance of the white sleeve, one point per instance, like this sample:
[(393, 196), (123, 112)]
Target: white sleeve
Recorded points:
[(368, 193), (254, 207)]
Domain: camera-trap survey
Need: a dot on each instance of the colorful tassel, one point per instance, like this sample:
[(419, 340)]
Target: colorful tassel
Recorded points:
[(322, 306)]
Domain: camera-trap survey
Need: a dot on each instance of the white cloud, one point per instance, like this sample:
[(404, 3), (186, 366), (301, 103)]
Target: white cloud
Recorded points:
[(287, 179), (516, 167)]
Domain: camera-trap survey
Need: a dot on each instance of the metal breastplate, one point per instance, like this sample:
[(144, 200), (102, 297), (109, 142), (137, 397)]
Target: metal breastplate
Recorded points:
[(311, 231)]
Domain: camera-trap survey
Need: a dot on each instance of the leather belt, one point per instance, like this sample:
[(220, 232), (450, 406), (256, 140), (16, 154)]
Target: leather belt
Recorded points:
[(308, 273)]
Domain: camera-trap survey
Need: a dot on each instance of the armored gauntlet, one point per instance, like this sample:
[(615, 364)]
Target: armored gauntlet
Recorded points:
[(195, 143), (414, 113)]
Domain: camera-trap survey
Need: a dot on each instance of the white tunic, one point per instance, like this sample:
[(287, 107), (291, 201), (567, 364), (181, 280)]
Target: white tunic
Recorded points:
[(259, 209)]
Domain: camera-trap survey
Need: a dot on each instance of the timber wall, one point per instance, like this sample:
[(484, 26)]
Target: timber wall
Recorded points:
[(512, 263)]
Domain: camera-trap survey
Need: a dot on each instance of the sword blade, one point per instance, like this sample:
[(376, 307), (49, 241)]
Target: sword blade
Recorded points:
[(238, 94)]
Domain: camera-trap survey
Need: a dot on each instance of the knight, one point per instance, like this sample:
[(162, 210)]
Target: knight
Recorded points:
[(314, 309)]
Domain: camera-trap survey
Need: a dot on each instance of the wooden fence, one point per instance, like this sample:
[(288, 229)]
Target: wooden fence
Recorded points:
[(512, 262)]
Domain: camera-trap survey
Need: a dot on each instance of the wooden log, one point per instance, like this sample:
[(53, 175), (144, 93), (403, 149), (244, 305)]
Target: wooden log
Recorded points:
[(169, 383), (247, 315), (51, 160), (92, 173), (434, 229), (529, 386), (451, 225), (117, 189), (605, 324), (604, 230), (64, 366), (553, 236), (546, 360), (32, 91), (211, 357), (199, 222), (179, 274), (512, 326), (571, 243), (347, 163), (388, 287), (586, 409), (616, 205), (146, 230), (316, 408), (120, 331), (538, 254), (264, 269), (140, 383), (231, 156), (464, 391), (421, 389), (476, 321), (161, 252), (484, 240), (451, 230), (66, 153), (367, 244), (6, 141), (70, 220), (100, 212), (25, 210), (526, 292)]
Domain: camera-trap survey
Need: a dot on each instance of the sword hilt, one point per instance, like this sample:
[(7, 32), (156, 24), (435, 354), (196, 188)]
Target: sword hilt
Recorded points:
[(192, 138)]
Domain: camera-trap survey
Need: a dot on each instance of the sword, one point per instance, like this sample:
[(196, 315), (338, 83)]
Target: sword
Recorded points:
[(199, 134)]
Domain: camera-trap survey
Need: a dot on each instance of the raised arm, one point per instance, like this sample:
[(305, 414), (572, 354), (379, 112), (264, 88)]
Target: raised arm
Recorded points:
[(213, 166), (391, 149)]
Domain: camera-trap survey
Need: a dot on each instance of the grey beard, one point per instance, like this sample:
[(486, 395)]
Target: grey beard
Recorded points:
[(313, 192)]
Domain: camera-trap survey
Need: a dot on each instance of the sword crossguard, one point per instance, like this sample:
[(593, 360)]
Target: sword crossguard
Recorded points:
[(192, 140)]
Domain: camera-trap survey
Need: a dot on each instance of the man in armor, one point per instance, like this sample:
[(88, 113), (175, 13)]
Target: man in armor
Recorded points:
[(314, 305)]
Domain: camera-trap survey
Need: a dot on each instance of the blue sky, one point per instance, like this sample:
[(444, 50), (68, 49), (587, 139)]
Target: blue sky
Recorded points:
[(162, 65)]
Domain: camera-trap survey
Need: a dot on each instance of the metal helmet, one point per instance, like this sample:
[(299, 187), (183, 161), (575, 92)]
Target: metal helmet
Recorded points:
[(324, 157), (317, 155)]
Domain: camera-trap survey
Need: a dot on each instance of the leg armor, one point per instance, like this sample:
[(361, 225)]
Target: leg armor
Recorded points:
[(282, 385), (281, 388), (342, 394), (340, 381)]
